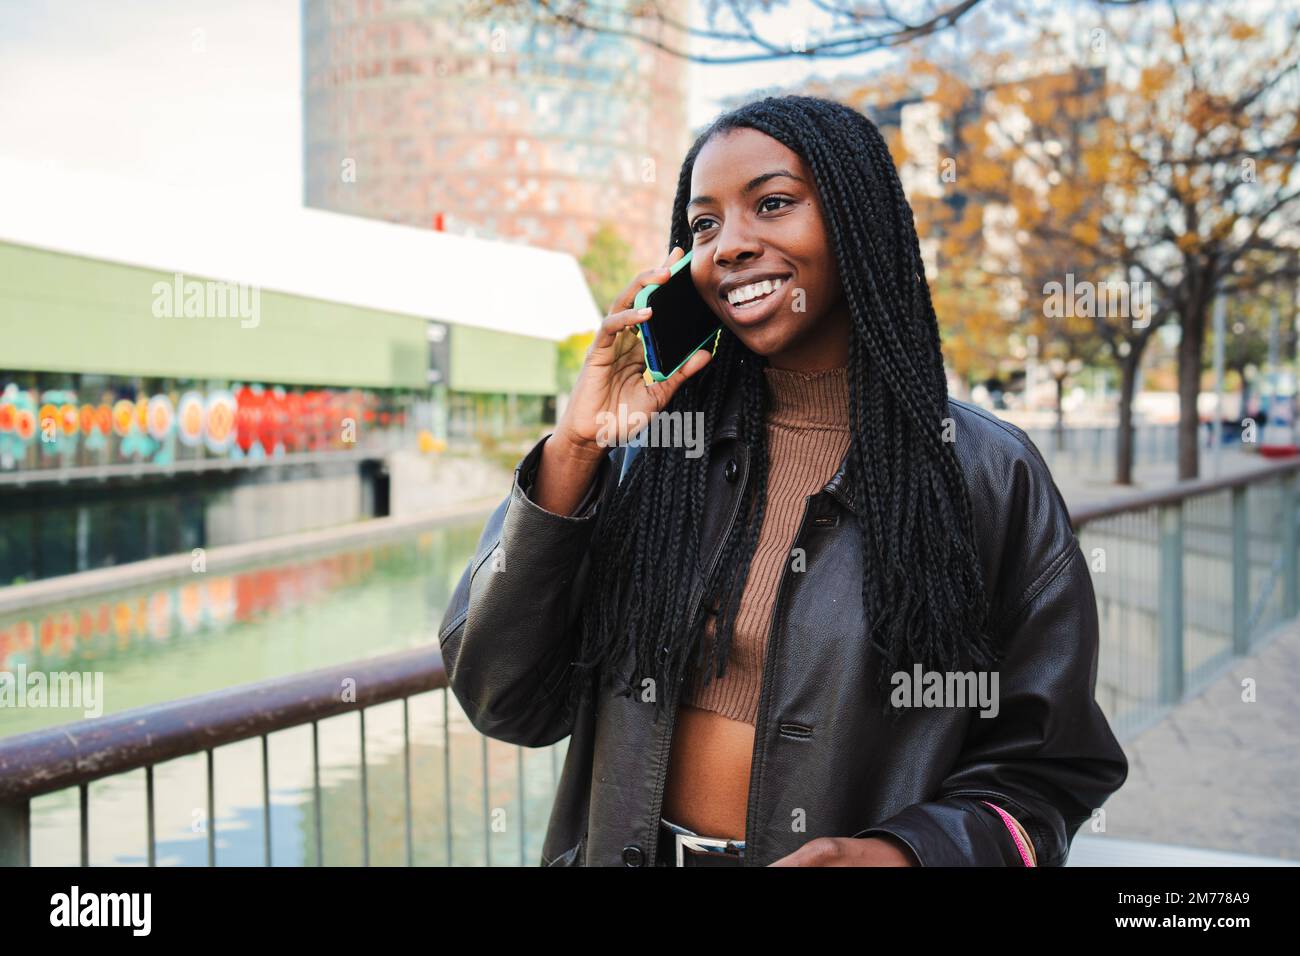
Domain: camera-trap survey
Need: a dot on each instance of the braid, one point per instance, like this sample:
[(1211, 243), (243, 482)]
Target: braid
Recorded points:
[(739, 551), (922, 587)]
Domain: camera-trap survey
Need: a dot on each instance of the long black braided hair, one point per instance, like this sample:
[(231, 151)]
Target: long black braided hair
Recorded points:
[(922, 587)]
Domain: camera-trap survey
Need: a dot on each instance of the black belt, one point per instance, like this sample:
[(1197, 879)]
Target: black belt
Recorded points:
[(678, 843)]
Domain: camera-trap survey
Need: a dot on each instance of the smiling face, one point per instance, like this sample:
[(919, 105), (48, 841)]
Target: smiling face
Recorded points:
[(755, 217)]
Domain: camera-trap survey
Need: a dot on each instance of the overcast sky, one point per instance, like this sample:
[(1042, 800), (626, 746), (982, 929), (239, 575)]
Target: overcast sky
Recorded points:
[(206, 93)]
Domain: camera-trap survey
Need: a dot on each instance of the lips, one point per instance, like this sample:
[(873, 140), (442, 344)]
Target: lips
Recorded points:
[(740, 282), (757, 310)]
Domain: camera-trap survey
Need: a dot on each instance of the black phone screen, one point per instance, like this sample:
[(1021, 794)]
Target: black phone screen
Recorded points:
[(679, 324)]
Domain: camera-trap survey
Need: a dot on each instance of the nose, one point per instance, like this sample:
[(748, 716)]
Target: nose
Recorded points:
[(735, 244)]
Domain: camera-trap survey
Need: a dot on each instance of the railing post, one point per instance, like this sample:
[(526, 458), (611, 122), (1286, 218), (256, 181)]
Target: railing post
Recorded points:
[(1171, 603), (1240, 571), (1289, 536), (16, 833), (75, 755)]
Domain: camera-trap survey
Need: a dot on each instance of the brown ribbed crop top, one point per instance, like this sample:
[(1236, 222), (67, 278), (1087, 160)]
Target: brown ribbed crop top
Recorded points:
[(807, 438)]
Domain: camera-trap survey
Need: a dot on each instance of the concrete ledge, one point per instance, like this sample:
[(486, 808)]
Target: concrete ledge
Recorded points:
[(19, 597), (63, 476)]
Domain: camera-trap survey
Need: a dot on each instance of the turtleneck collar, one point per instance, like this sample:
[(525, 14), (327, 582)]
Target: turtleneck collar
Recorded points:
[(808, 399)]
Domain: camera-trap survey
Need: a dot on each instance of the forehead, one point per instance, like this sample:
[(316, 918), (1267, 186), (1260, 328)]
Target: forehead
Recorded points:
[(729, 160)]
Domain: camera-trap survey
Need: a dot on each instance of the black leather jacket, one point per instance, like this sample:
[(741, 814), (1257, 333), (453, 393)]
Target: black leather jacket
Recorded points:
[(822, 754)]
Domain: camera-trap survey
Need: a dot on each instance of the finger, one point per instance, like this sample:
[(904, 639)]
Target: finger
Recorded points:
[(612, 325), (667, 389), (673, 256), (659, 276), (624, 299)]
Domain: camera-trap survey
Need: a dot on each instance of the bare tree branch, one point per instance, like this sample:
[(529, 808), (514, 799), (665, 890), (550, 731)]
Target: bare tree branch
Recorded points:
[(868, 29)]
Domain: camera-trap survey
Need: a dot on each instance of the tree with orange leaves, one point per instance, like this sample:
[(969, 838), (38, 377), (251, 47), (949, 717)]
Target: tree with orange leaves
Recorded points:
[(1162, 160)]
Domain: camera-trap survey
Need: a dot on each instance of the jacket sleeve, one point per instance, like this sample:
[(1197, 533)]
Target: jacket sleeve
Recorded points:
[(1048, 757), (511, 628)]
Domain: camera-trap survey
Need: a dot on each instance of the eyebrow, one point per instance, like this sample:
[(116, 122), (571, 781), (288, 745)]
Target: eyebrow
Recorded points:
[(749, 186)]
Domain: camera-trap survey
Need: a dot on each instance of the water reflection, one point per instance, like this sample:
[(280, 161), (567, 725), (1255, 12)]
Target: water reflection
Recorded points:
[(198, 634)]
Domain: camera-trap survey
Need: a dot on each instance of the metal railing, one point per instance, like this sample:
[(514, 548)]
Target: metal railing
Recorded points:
[(1091, 450), (1186, 578), (75, 755)]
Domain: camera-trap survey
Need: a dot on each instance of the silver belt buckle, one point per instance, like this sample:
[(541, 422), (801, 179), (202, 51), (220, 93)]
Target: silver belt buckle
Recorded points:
[(684, 839)]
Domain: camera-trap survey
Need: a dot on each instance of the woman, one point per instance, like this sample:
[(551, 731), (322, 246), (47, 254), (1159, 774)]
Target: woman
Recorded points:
[(850, 535)]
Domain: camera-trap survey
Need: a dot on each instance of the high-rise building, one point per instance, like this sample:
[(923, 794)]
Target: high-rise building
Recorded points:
[(414, 113)]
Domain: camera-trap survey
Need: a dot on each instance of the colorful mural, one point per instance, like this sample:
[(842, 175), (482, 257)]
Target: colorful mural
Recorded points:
[(54, 429)]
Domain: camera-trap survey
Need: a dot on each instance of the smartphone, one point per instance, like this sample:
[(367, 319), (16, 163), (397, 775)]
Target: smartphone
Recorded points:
[(680, 324)]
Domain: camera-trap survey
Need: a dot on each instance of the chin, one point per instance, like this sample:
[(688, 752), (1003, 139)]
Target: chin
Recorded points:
[(763, 341)]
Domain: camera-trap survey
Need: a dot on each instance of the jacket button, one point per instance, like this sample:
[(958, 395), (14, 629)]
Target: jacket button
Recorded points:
[(632, 856), (731, 470)]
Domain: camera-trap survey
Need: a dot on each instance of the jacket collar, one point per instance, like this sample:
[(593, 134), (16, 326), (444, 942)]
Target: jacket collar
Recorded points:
[(729, 428)]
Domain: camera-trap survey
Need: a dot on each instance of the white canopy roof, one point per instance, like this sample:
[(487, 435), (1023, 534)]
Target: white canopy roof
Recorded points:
[(508, 287)]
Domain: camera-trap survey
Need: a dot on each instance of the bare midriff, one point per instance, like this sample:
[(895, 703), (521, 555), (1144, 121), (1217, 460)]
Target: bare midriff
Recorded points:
[(707, 789)]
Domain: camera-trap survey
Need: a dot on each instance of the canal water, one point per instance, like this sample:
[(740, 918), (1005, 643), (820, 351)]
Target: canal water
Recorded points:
[(474, 801)]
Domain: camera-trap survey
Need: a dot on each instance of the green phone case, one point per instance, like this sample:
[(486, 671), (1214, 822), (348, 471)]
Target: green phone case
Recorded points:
[(640, 301)]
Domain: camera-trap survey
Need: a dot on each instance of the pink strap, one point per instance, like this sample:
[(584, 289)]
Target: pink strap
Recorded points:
[(1015, 833)]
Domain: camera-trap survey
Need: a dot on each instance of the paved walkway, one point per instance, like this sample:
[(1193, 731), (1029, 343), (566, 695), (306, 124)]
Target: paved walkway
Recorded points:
[(1217, 772), (1112, 851)]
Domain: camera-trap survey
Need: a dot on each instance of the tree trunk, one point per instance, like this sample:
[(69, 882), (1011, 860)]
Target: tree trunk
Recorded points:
[(1128, 366), (1060, 415), (1190, 349)]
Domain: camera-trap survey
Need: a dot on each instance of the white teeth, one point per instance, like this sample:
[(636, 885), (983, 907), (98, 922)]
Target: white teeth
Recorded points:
[(753, 291)]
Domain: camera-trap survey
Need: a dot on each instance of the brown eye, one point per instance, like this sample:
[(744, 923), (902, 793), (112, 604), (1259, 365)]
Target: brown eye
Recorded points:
[(783, 200)]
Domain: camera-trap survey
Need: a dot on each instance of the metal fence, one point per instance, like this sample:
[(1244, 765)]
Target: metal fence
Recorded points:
[(1186, 579), (467, 825), (1091, 451)]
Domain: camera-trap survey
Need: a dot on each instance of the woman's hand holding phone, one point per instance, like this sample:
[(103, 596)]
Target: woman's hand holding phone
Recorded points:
[(612, 375)]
